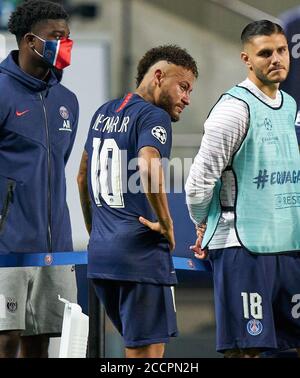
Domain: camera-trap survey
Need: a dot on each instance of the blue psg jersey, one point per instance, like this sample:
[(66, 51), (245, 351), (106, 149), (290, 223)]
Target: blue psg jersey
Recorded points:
[(120, 247)]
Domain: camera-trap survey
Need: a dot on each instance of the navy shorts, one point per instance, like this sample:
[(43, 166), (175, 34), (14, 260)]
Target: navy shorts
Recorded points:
[(257, 299), (143, 313)]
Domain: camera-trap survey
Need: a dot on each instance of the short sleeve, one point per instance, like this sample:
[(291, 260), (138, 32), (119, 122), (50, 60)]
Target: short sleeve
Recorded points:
[(155, 131)]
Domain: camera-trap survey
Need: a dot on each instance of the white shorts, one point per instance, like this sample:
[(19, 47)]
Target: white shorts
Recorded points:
[(29, 298)]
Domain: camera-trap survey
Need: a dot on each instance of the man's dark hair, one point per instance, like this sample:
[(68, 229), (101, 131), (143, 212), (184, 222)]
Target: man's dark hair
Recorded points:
[(262, 27), (172, 54), (31, 12)]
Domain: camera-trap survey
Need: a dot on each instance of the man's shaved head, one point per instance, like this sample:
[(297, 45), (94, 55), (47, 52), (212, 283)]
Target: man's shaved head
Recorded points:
[(169, 53)]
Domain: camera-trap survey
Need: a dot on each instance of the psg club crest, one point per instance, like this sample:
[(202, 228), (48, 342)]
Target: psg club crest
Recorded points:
[(48, 259), (49, 54), (11, 304), (254, 327), (63, 111)]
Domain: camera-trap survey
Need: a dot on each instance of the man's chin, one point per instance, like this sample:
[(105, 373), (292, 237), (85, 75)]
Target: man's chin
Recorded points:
[(175, 117), (279, 78), (278, 81)]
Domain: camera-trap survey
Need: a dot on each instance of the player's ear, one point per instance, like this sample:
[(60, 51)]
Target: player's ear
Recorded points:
[(158, 75), (245, 58), (29, 39)]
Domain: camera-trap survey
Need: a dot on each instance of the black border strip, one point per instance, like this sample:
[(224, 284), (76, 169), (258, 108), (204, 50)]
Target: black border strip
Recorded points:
[(269, 106)]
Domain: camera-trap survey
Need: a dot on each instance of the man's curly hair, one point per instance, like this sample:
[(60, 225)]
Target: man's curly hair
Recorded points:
[(172, 54), (31, 12)]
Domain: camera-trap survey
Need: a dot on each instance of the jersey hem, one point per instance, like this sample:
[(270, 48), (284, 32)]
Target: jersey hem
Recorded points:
[(138, 343)]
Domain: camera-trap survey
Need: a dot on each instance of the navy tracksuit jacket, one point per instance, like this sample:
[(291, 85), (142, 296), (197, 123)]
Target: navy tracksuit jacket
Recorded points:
[(38, 123)]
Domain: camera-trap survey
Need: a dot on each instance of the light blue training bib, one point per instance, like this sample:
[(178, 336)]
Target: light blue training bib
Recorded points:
[(266, 168)]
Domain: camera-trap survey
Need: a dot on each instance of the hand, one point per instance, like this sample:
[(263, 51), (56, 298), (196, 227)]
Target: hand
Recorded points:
[(199, 253), (166, 230)]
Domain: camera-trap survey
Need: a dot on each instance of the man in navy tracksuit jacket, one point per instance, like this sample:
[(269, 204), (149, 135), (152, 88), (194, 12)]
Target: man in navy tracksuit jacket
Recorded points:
[(38, 122), (35, 144)]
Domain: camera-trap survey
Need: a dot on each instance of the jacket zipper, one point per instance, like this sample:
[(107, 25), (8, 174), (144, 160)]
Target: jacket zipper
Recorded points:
[(8, 200), (49, 232)]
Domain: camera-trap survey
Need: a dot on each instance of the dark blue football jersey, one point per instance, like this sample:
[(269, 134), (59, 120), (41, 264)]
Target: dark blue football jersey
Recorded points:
[(120, 247)]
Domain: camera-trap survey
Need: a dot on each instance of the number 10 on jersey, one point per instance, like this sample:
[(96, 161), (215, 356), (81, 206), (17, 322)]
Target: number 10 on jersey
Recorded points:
[(106, 171)]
